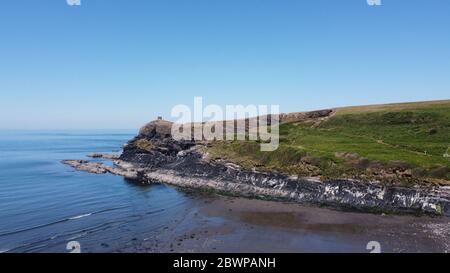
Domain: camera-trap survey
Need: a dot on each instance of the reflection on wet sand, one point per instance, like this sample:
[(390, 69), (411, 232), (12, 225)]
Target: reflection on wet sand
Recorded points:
[(228, 224)]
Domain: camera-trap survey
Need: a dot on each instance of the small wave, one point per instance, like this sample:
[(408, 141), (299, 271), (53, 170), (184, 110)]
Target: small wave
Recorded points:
[(31, 228), (59, 221), (155, 211), (44, 243), (80, 216), (77, 236)]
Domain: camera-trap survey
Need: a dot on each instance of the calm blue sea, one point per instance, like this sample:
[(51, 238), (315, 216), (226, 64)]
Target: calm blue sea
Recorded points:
[(45, 204)]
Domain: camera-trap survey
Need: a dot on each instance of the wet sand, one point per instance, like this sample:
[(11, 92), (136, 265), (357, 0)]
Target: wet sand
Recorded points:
[(229, 224)]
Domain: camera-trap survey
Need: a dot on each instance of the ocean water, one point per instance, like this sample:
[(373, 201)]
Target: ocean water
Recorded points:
[(45, 204)]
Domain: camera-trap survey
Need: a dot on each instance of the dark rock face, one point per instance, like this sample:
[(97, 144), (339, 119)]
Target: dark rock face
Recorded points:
[(185, 164), (160, 147), (319, 113), (154, 157), (220, 176)]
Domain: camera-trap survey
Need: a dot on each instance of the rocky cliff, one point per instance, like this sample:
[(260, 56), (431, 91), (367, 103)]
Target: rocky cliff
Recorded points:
[(154, 157)]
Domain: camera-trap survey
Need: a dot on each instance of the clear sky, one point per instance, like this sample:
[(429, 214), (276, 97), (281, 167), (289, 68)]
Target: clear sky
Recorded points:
[(120, 63)]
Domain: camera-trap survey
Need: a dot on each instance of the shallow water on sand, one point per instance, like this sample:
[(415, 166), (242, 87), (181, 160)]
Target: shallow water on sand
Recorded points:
[(45, 204)]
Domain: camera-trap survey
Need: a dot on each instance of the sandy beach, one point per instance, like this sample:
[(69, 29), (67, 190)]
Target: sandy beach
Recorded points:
[(228, 224)]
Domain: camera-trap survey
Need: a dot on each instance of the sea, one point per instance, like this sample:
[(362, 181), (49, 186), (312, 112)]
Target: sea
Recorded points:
[(46, 206)]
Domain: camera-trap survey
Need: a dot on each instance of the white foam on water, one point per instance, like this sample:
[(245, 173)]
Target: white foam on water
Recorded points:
[(80, 216)]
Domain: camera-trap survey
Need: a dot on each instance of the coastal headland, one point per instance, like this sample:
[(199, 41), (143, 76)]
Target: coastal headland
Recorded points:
[(382, 158)]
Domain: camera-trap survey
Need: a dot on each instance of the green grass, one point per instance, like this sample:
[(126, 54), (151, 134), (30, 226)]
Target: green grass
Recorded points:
[(416, 135)]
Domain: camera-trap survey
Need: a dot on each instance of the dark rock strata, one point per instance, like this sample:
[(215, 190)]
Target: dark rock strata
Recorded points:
[(153, 156)]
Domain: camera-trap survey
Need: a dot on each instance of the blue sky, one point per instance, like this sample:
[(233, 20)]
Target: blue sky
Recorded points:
[(119, 63)]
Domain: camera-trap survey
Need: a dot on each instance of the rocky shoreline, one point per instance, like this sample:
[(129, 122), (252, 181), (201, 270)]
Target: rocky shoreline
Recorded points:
[(154, 157), (344, 194)]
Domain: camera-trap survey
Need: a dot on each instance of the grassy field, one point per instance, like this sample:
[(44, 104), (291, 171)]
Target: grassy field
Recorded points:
[(394, 143)]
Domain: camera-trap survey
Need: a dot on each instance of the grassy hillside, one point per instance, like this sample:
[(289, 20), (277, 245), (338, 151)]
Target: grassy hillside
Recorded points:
[(395, 143)]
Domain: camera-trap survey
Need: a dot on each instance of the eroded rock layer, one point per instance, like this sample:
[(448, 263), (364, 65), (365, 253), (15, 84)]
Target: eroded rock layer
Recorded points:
[(154, 157)]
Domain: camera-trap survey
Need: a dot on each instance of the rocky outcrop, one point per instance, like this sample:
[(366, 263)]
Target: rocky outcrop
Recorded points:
[(157, 128), (84, 165), (154, 157), (192, 170), (189, 169), (303, 116), (121, 168), (105, 156), (340, 194)]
